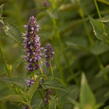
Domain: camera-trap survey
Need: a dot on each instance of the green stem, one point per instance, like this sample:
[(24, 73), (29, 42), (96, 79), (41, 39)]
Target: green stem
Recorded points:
[(5, 65), (81, 12), (98, 11), (41, 70), (99, 62), (99, 14), (51, 70)]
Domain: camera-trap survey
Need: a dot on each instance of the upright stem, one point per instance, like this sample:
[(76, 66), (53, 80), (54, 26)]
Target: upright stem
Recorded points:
[(41, 70), (99, 14), (99, 62), (51, 70), (81, 12), (5, 65), (98, 11)]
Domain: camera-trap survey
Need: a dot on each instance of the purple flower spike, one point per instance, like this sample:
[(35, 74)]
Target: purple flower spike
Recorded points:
[(32, 45), (49, 53)]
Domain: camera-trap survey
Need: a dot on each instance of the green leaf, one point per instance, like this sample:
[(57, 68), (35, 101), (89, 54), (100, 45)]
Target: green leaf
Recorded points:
[(1, 10), (4, 61), (12, 98), (100, 30), (33, 89), (107, 107), (86, 6), (79, 43), (12, 32), (99, 47), (104, 19), (53, 102), (87, 99), (70, 6), (105, 72), (104, 2)]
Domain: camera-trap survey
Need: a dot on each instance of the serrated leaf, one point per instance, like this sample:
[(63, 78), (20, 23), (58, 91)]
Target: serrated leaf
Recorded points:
[(99, 47), (12, 32), (12, 98), (100, 30), (54, 84), (33, 89), (87, 99)]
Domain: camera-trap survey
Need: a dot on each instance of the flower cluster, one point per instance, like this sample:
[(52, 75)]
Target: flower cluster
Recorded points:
[(32, 45), (49, 52), (29, 82)]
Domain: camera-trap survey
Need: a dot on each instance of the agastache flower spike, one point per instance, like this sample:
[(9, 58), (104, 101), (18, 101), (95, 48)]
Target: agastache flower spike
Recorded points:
[(49, 53), (32, 45)]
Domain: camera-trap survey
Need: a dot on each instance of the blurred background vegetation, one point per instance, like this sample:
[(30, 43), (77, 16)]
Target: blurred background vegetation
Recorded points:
[(79, 33)]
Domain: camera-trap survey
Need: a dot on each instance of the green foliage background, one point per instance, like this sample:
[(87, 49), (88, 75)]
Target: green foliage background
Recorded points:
[(79, 33)]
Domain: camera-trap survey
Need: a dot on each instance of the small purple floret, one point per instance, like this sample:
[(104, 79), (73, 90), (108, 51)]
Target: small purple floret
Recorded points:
[(30, 82)]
